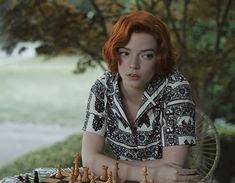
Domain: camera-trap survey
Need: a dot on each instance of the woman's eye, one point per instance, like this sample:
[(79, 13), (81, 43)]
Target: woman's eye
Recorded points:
[(123, 53), (148, 56)]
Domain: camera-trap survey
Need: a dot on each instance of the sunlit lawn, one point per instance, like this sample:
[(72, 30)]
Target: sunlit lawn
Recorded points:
[(44, 92)]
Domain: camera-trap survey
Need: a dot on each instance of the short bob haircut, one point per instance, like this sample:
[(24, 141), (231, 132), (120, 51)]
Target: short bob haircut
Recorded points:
[(144, 22)]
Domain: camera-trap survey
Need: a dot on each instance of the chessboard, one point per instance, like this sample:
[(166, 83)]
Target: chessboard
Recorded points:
[(78, 174), (54, 179), (66, 179)]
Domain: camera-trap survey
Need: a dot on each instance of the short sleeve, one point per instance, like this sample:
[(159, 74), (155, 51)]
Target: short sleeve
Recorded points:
[(95, 114), (179, 116)]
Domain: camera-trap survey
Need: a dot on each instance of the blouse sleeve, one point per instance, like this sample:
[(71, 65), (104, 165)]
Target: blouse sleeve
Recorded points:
[(179, 116), (95, 115)]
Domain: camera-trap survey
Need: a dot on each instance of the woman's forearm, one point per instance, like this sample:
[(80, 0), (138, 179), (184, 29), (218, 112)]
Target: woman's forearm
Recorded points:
[(147, 163), (126, 170), (134, 170)]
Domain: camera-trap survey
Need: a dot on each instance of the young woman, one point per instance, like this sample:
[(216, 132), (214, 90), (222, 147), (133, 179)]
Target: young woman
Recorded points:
[(142, 106)]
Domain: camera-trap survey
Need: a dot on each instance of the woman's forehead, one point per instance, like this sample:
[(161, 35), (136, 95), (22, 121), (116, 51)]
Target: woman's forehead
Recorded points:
[(141, 41)]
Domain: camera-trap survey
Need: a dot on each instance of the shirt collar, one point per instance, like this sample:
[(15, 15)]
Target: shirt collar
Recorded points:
[(152, 86), (151, 94), (115, 83)]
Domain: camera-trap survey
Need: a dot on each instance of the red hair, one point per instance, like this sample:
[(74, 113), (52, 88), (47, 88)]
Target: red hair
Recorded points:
[(140, 21)]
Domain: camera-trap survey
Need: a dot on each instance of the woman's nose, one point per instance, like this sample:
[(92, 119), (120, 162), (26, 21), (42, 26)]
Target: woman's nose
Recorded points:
[(134, 62)]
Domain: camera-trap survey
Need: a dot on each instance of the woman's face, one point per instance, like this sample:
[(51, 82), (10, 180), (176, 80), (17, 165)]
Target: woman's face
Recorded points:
[(137, 63)]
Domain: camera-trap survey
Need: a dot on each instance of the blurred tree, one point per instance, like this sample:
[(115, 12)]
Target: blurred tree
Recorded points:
[(203, 32)]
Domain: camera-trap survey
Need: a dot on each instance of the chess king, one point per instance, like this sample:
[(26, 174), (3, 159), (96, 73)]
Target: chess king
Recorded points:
[(142, 106)]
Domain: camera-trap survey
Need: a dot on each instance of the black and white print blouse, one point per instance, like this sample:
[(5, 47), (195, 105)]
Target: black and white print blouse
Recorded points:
[(165, 117)]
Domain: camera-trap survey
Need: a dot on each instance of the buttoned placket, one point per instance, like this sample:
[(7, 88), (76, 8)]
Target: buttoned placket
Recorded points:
[(151, 95), (118, 104)]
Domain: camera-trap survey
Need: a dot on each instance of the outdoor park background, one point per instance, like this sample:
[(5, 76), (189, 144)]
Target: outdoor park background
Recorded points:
[(54, 50)]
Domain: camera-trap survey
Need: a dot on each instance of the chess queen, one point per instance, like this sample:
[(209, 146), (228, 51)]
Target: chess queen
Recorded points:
[(141, 106)]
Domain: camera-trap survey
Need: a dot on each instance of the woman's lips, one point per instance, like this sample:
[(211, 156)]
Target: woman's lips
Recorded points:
[(133, 77)]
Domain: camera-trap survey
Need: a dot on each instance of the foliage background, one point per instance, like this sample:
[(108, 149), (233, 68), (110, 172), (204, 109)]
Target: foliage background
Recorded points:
[(203, 33)]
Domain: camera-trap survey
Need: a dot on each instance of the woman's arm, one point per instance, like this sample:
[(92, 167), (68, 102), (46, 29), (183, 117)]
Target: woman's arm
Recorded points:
[(170, 167), (93, 157), (171, 154), (166, 169)]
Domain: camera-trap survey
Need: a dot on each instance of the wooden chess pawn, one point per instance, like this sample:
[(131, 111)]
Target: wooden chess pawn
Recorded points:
[(71, 176), (104, 175), (79, 179), (76, 172), (116, 178), (92, 178), (145, 173), (85, 177), (110, 180), (59, 174), (77, 160)]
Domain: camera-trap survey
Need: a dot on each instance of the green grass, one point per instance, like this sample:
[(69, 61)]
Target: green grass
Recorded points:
[(61, 152), (44, 92)]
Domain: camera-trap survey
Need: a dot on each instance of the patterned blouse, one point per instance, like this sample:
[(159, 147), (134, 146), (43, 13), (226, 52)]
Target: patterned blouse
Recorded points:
[(165, 117)]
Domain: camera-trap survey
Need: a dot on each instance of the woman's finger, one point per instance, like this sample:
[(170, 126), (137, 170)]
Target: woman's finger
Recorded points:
[(186, 178), (183, 171)]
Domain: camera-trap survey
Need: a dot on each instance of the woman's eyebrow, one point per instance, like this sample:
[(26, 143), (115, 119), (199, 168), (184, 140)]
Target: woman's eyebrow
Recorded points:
[(150, 49), (124, 48)]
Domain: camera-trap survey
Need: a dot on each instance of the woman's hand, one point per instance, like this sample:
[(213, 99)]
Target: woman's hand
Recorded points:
[(171, 173)]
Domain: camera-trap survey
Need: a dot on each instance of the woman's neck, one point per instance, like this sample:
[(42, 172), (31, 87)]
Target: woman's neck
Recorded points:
[(131, 94)]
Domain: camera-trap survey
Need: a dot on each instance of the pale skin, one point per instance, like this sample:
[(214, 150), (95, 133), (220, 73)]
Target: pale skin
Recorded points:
[(136, 68)]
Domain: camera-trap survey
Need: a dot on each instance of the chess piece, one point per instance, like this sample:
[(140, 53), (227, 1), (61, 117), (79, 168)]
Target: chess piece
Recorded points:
[(92, 178), (26, 180), (20, 178), (77, 160), (58, 174), (71, 175), (85, 177), (71, 178), (79, 179), (76, 172), (104, 175), (145, 173), (116, 178), (36, 178), (109, 177), (77, 164)]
